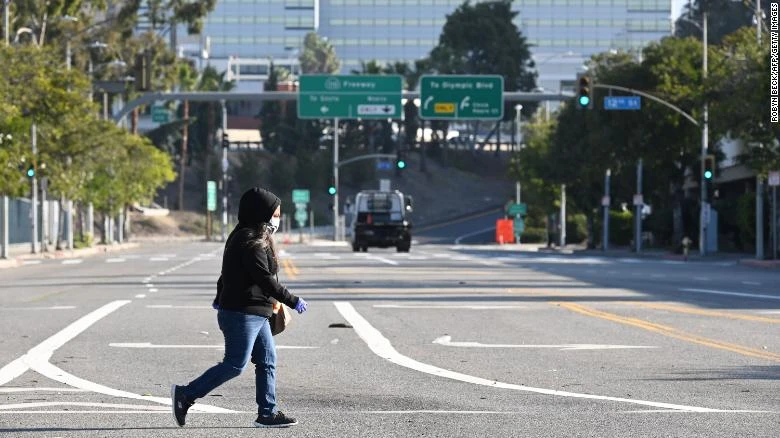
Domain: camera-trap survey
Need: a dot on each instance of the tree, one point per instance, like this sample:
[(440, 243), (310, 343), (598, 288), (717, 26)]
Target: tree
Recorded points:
[(483, 39), (318, 55), (738, 90), (723, 18)]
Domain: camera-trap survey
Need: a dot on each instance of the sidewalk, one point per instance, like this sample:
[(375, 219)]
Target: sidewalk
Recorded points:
[(650, 254), (18, 253)]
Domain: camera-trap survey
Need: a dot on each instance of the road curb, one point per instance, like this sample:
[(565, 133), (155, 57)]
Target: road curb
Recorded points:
[(763, 264), (67, 254)]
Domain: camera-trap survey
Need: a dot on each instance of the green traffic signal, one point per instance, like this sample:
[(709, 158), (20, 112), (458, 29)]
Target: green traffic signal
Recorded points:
[(584, 100), (332, 190), (401, 164), (707, 174), (30, 172)]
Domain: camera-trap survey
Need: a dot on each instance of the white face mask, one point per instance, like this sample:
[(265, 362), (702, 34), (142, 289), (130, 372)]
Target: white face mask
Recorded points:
[(275, 221)]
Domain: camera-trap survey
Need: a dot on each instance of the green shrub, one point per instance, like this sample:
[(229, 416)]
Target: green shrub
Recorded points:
[(534, 235)]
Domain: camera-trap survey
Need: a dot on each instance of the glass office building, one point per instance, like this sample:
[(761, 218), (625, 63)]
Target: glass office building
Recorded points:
[(245, 34)]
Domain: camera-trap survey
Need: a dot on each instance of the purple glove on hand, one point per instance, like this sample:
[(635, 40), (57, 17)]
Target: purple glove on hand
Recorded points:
[(301, 306)]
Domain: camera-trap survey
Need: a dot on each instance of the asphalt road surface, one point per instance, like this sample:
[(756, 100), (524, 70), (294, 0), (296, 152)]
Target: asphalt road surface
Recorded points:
[(445, 341)]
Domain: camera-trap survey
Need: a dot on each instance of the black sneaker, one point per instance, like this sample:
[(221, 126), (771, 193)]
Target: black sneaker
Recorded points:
[(180, 404), (276, 420)]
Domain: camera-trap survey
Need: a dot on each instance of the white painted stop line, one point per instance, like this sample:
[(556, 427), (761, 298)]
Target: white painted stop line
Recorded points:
[(733, 294), (150, 345), (448, 342)]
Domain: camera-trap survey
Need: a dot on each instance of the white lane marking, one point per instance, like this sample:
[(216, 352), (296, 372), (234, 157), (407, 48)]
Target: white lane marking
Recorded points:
[(447, 341), (770, 312), (630, 260), (461, 258), (384, 260), (31, 262), (169, 306), (672, 262), (37, 359), (140, 296), (671, 411), (149, 285), (701, 278), (39, 308), (490, 263), (418, 258), (475, 233), (150, 345), (72, 262), (152, 290), (115, 260), (43, 351), (447, 306), (733, 294), (158, 259), (83, 404), (41, 389), (382, 347), (443, 412), (751, 283)]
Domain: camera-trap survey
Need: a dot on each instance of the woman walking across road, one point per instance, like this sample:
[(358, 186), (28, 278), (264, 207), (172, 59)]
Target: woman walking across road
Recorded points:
[(246, 292)]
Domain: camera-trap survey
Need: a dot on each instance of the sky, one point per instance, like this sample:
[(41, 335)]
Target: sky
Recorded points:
[(677, 6)]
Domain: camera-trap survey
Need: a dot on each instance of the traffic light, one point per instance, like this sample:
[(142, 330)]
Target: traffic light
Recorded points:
[(225, 141), (400, 161), (584, 99), (709, 167), (332, 187), (30, 171)]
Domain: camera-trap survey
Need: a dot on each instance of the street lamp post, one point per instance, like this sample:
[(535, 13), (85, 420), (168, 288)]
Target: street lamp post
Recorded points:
[(705, 134)]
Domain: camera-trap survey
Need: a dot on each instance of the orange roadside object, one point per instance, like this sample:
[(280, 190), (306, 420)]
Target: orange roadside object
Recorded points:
[(505, 231)]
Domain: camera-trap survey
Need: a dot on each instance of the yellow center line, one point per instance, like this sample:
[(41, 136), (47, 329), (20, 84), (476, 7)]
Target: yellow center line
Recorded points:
[(288, 270), (670, 332), (703, 312)]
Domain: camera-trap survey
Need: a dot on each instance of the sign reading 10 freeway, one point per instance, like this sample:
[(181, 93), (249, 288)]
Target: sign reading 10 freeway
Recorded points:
[(350, 97), (461, 97)]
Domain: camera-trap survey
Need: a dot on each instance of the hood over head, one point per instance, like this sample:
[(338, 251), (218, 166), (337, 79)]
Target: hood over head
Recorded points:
[(257, 206)]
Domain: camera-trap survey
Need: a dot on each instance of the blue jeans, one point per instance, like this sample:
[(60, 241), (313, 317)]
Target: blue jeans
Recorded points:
[(246, 336)]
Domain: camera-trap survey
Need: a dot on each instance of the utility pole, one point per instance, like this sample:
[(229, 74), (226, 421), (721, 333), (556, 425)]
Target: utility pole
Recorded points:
[(638, 208), (224, 175), (34, 197), (336, 179), (6, 21), (605, 206), (704, 146), (759, 217), (563, 215)]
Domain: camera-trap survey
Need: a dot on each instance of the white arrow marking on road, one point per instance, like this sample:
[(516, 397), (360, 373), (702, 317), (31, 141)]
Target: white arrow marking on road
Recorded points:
[(428, 102), (150, 345), (382, 347), (37, 359), (476, 233), (454, 306), (383, 260), (734, 294), (447, 341)]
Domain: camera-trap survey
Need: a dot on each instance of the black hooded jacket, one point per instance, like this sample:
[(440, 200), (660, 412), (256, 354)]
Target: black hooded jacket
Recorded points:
[(248, 281)]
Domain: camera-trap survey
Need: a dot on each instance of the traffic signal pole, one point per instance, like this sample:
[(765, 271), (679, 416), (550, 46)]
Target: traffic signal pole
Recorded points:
[(34, 197), (336, 179), (224, 176), (704, 146)]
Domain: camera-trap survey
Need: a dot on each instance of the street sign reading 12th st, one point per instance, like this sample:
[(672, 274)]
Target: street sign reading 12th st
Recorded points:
[(460, 97), (350, 97)]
